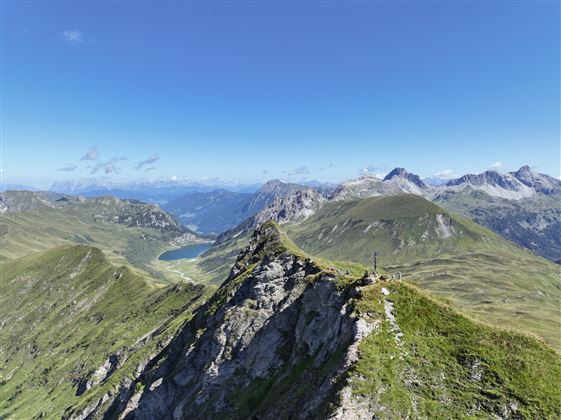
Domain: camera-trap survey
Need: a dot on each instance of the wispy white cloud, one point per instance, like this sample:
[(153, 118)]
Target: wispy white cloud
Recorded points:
[(72, 37), (151, 159), (91, 154), (302, 170), (151, 168), (379, 175), (109, 167), (446, 173), (378, 171), (68, 168), (495, 165)]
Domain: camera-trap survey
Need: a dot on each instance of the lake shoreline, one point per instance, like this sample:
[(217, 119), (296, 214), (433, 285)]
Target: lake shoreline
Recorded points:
[(190, 251)]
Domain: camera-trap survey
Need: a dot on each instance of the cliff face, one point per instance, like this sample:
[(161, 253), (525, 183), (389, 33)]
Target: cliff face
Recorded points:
[(272, 340)]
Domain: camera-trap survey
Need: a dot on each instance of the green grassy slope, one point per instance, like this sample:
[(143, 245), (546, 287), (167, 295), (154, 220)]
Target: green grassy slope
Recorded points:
[(399, 228), (445, 365), (481, 273), (39, 229), (65, 313)]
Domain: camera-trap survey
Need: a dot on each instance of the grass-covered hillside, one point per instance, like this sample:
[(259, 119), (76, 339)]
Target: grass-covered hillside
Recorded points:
[(398, 228), (424, 360), (478, 271), (75, 327), (127, 231)]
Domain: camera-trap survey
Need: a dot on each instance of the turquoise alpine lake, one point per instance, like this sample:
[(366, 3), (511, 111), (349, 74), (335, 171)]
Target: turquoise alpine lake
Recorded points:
[(187, 251)]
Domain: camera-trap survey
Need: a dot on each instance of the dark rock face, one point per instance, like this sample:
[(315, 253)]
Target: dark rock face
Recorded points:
[(402, 173), (282, 321)]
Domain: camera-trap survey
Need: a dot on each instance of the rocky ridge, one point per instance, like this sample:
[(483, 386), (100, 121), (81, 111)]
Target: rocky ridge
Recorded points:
[(274, 300), (288, 337), (398, 181)]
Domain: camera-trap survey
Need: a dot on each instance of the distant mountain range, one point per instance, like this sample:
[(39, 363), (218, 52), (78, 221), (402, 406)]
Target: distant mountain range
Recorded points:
[(8, 187), (158, 191), (523, 183), (215, 211), (522, 206)]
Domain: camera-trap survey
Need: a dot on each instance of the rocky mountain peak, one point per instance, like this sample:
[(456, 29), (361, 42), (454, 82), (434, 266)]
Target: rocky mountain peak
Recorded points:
[(402, 173), (396, 172), (278, 316), (265, 241), (524, 171), (269, 191), (539, 182), (271, 185), (292, 207), (513, 185)]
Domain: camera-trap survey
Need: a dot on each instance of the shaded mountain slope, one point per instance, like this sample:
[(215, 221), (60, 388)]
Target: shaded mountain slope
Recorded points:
[(211, 212), (287, 336), (534, 222)]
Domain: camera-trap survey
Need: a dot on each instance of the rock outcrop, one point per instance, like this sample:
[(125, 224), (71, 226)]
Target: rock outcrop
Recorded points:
[(279, 322), (294, 207)]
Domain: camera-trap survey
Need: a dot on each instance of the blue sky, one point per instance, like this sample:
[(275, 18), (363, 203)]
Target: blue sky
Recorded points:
[(296, 90)]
